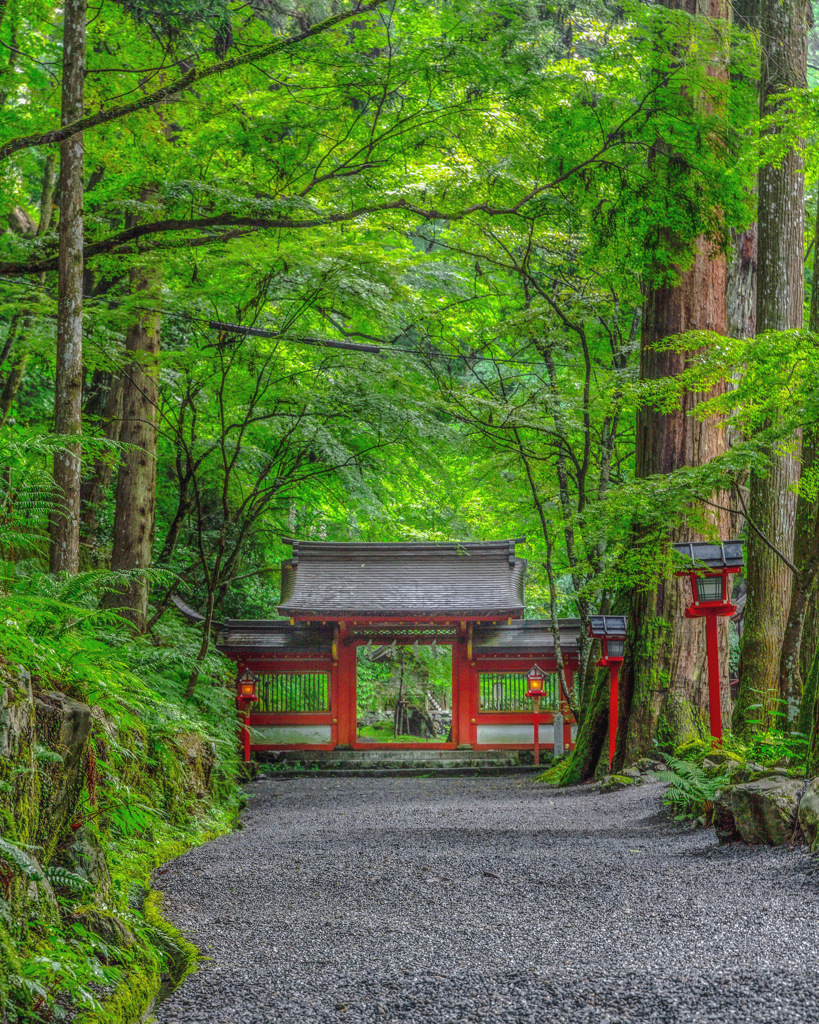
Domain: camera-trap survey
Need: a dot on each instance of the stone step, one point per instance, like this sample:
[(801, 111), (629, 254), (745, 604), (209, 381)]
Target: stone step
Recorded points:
[(397, 754), (375, 772), (398, 762)]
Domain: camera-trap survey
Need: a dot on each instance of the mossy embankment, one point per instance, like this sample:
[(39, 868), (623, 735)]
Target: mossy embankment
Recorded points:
[(106, 772)]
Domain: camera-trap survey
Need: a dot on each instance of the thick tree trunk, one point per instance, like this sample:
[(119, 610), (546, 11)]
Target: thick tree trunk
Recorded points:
[(805, 552), (19, 361), (740, 296), (780, 295), (134, 518), (808, 720), (93, 491), (65, 527), (664, 681)]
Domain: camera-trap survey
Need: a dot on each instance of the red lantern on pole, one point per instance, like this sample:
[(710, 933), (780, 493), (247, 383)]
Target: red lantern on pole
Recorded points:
[(245, 696), (610, 630), (709, 567), (246, 687), (537, 682), (537, 687)]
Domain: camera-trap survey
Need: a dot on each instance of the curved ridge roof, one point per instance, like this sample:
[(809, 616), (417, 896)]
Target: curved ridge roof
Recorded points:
[(413, 579)]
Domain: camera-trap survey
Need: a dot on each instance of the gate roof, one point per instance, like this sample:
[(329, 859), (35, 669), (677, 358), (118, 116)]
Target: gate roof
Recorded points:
[(273, 636), (405, 580), (530, 636)]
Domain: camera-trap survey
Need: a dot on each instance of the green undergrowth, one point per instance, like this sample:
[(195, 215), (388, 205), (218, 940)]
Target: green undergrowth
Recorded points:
[(383, 732), (84, 939), (699, 769)]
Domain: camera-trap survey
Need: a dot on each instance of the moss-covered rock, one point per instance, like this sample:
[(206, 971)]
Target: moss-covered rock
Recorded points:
[(692, 750), (85, 856), (19, 778), (183, 956), (64, 725), (615, 782), (109, 926), (724, 824), (131, 1000), (765, 811), (198, 759), (808, 815)]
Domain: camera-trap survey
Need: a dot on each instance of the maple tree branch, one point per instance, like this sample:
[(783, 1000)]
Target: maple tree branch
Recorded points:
[(195, 74)]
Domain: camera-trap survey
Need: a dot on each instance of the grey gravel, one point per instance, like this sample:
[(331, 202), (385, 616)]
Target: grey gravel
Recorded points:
[(490, 900)]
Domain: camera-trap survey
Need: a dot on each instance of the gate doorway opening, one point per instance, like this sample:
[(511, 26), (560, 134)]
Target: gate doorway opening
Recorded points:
[(404, 694)]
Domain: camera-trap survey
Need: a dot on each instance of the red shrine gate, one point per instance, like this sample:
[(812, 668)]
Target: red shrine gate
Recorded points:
[(338, 597)]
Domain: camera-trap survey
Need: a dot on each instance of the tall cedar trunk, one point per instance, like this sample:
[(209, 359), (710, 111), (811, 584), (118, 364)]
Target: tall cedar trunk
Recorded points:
[(740, 295), (24, 320), (65, 527), (780, 295), (20, 356), (805, 551), (93, 491), (808, 720), (134, 519), (664, 679), (810, 625)]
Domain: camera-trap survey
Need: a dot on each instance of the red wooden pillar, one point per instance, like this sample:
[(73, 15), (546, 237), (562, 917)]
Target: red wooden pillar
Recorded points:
[(243, 713), (568, 692), (346, 688), (462, 696), (246, 733), (614, 705), (714, 698)]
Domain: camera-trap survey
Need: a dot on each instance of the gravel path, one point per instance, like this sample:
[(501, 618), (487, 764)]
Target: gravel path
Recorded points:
[(492, 901)]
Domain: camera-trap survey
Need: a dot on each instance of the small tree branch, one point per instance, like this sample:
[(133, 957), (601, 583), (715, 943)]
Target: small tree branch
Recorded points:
[(178, 85), (755, 528)]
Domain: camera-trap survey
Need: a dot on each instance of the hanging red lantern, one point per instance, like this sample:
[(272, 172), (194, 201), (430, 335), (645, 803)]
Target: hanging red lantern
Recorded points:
[(537, 682), (246, 687)]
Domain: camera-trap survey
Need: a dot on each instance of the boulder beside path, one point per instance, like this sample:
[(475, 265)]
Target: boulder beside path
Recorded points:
[(764, 812)]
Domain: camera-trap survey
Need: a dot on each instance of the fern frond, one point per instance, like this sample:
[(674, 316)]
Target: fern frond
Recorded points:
[(13, 854), (66, 879)]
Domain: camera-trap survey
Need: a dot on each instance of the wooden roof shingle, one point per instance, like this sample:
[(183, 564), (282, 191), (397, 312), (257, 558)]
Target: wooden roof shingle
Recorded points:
[(527, 636), (274, 636), (414, 580)]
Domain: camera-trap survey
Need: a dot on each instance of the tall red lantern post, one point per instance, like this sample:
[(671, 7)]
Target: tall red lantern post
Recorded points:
[(710, 567), (610, 630), (537, 683), (245, 696)]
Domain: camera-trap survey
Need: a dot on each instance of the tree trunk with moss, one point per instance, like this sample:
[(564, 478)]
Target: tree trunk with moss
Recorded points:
[(64, 554), (134, 515), (664, 678), (780, 296)]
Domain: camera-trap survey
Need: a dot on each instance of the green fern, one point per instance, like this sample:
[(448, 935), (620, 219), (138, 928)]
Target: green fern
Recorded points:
[(65, 879), (18, 858), (691, 792)]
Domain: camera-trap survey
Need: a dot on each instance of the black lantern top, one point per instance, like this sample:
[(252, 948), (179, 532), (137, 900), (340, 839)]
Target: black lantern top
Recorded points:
[(537, 679), (725, 555), (601, 626), (709, 567)]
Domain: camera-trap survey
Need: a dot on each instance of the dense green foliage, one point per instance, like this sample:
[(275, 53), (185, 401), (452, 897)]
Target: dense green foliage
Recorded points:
[(475, 199)]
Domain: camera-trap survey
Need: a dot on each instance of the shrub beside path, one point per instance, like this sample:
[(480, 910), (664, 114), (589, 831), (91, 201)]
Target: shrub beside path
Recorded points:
[(488, 901)]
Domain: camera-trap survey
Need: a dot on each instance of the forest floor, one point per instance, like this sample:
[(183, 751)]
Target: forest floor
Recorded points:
[(488, 900)]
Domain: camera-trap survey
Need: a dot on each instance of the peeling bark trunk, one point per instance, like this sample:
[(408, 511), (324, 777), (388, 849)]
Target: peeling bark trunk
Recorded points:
[(24, 320), (740, 296), (780, 295), (664, 680), (134, 516), (93, 491), (808, 661), (64, 555)]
